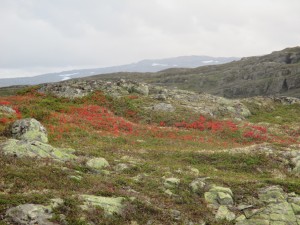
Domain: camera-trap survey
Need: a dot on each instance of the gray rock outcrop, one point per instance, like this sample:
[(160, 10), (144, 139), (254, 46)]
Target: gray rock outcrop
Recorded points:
[(167, 100), (80, 88)]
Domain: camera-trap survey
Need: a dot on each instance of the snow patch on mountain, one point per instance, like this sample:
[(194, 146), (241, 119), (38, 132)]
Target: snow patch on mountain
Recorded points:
[(67, 76), (159, 64)]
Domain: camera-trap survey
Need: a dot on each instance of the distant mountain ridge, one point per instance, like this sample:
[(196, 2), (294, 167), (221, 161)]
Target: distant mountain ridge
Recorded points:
[(277, 73), (148, 65)]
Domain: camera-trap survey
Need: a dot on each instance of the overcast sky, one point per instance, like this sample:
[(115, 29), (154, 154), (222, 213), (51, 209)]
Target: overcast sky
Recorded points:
[(39, 36)]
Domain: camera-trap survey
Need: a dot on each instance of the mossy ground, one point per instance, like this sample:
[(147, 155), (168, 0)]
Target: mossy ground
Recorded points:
[(37, 181)]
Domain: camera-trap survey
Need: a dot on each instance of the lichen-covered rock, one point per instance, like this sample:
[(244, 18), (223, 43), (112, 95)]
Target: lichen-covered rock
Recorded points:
[(224, 213), (121, 167), (110, 205), (205, 104), (194, 171), (30, 130), (75, 177), (21, 148), (272, 194), (175, 214), (171, 182), (219, 196), (6, 110), (208, 105), (97, 163), (295, 161), (198, 185), (278, 208), (80, 88), (30, 214), (161, 97), (140, 89)]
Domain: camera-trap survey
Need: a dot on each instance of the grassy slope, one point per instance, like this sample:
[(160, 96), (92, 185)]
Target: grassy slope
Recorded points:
[(36, 181)]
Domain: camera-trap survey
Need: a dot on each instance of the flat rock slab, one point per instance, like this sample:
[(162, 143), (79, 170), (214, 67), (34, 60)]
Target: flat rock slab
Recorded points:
[(21, 148), (110, 205)]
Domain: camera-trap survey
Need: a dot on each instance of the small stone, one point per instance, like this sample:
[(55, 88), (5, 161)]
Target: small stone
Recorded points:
[(171, 182), (140, 177), (121, 167), (97, 163), (76, 177), (56, 202), (175, 214), (197, 185), (195, 171), (169, 192), (161, 97)]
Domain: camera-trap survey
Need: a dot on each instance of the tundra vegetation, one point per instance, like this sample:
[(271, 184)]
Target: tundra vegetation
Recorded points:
[(118, 160)]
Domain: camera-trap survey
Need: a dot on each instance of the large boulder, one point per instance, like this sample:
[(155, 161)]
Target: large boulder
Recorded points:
[(29, 129), (171, 182), (21, 148)]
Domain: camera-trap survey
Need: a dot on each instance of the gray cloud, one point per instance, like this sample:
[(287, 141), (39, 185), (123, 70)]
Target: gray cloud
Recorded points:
[(42, 35)]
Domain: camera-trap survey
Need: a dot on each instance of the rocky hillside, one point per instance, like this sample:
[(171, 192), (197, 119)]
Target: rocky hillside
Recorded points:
[(275, 74), (89, 152)]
